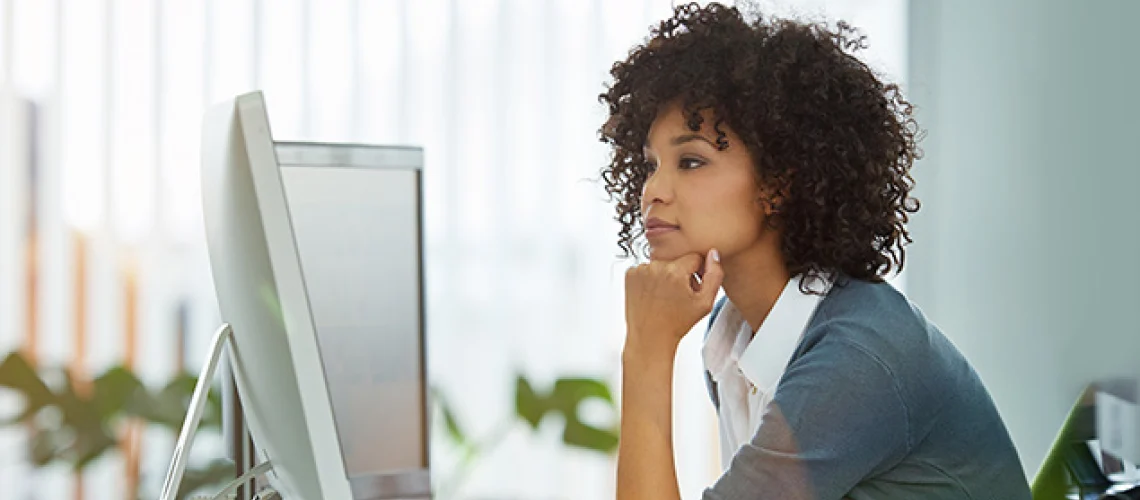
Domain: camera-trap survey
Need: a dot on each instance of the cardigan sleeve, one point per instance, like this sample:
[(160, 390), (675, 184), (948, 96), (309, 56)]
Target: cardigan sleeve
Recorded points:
[(837, 417)]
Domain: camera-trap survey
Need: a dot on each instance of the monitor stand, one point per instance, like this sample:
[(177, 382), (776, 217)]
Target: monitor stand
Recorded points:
[(370, 487), (243, 457)]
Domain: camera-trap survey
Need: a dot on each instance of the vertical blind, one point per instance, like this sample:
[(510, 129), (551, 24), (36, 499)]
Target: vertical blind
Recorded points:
[(102, 254)]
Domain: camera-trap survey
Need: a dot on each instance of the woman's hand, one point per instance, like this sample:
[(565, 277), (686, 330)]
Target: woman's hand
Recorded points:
[(663, 301)]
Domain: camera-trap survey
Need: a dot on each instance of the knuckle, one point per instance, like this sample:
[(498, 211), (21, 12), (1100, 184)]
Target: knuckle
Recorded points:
[(631, 275)]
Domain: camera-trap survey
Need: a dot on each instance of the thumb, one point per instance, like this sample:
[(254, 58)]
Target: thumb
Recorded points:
[(712, 279)]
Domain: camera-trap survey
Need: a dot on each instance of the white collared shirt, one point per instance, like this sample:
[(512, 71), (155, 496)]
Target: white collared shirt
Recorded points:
[(746, 368)]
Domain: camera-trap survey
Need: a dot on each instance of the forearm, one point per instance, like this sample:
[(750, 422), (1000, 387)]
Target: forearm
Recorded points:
[(645, 454)]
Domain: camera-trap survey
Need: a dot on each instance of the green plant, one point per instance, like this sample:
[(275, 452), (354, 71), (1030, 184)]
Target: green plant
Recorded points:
[(76, 424), (532, 406), (1053, 480)]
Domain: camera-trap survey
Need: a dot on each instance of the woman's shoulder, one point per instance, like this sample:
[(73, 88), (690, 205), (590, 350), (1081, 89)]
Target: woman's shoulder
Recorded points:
[(879, 321), (873, 314)]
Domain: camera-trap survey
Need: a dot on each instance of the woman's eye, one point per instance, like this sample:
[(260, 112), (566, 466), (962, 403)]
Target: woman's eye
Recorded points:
[(691, 163)]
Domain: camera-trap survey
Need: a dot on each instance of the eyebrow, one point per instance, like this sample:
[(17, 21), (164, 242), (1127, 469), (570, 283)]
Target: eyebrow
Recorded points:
[(682, 139)]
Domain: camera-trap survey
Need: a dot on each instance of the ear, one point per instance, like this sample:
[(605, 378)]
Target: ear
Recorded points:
[(771, 194), (772, 207), (769, 202)]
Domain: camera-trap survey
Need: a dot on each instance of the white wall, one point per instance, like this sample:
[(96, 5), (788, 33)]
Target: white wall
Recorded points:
[(1027, 243)]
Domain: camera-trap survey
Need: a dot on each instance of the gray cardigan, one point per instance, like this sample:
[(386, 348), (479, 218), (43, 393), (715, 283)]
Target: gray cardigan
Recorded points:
[(875, 404)]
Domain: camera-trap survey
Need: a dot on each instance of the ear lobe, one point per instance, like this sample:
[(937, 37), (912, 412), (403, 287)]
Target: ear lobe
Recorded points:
[(768, 205), (771, 204)]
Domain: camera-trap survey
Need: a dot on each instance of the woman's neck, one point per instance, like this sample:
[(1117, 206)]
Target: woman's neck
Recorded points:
[(754, 280)]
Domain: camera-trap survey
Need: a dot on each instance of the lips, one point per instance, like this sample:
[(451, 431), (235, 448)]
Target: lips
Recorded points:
[(657, 227)]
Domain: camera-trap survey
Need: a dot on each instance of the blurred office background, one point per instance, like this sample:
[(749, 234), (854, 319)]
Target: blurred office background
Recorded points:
[(1025, 247)]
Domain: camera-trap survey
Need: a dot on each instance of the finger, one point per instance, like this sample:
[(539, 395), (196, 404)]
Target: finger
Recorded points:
[(686, 264), (712, 279), (632, 273)]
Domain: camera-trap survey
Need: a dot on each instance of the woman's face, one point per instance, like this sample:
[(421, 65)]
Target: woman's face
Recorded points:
[(698, 197)]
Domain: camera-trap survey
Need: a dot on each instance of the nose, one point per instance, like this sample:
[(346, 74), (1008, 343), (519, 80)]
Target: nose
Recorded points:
[(658, 189)]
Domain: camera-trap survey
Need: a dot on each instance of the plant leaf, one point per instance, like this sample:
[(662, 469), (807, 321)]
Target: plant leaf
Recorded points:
[(88, 433), (18, 374), (584, 436), (75, 426), (566, 398), (115, 390), (168, 407), (529, 405), (571, 391), (453, 430), (568, 395), (42, 447)]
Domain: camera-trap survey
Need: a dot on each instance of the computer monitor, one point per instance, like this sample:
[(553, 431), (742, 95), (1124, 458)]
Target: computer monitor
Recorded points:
[(1118, 418), (1099, 431), (317, 262)]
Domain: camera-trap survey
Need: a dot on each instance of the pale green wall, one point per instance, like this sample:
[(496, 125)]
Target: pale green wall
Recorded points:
[(1027, 244)]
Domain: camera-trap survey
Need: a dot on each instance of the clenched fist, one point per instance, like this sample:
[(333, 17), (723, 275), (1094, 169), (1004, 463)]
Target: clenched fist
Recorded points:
[(664, 299)]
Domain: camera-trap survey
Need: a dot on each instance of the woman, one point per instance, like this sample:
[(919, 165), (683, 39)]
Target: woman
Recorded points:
[(762, 157)]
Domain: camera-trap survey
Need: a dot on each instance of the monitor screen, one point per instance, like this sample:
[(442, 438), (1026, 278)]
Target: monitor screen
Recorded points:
[(355, 213), (315, 253)]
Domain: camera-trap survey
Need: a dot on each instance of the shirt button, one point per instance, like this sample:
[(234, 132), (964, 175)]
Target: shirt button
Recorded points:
[(753, 389)]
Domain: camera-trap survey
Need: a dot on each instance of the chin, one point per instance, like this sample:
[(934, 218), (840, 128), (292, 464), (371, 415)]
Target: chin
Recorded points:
[(659, 253)]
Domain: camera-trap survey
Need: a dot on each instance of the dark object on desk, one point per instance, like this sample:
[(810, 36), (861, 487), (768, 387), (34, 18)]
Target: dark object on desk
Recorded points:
[(1132, 493), (1082, 467), (1071, 460)]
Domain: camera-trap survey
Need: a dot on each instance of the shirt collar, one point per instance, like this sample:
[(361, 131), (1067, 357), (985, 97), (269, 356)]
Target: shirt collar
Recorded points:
[(764, 359), (720, 350)]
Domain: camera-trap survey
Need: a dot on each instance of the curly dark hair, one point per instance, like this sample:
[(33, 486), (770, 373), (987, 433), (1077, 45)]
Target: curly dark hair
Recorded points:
[(830, 141)]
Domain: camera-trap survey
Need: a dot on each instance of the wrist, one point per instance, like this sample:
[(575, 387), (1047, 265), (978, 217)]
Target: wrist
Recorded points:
[(639, 349)]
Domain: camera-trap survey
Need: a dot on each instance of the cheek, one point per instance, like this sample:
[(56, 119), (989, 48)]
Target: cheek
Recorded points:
[(729, 227)]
